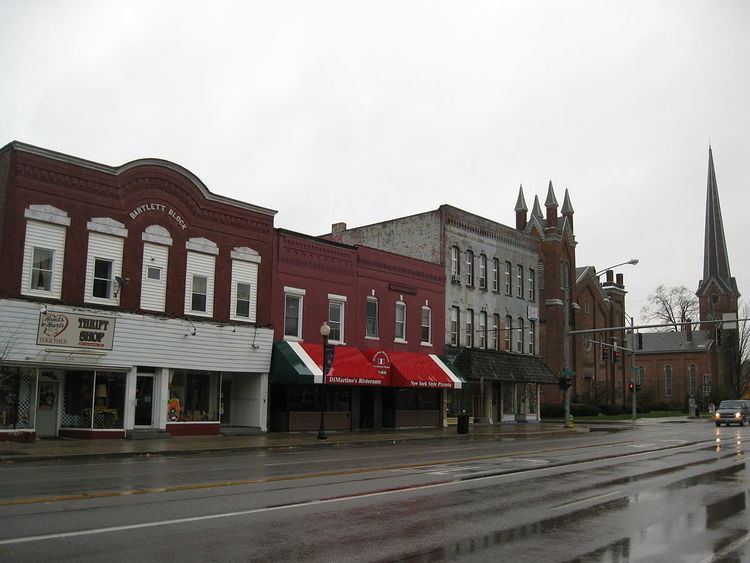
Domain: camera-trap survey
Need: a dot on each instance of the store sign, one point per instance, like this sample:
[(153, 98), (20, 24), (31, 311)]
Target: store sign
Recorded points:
[(159, 208), (431, 384), (75, 331), (532, 312), (382, 363)]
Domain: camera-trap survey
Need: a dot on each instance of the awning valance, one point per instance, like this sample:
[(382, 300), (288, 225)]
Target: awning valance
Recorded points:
[(476, 364), (423, 371), (300, 362)]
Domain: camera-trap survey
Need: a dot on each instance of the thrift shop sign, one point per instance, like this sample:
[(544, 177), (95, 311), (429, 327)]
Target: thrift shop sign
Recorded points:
[(75, 331)]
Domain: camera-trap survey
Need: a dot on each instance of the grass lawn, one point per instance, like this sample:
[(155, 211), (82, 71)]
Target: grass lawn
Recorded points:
[(629, 416)]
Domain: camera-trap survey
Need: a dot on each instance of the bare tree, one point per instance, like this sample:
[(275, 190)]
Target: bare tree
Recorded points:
[(736, 344), (671, 305)]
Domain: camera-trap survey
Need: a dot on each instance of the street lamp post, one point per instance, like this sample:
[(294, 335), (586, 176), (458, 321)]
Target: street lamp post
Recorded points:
[(325, 331), (567, 371)]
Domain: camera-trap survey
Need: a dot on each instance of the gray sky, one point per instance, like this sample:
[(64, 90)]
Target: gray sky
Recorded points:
[(363, 111)]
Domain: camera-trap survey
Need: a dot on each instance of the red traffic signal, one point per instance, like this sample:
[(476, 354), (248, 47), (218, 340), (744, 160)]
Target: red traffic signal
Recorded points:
[(631, 387)]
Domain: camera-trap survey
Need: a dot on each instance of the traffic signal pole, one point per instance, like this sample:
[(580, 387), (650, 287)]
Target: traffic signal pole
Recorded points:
[(634, 370), (566, 350)]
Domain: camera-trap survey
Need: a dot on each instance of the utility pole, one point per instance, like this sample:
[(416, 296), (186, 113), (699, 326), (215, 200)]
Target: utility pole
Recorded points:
[(566, 350), (634, 370)]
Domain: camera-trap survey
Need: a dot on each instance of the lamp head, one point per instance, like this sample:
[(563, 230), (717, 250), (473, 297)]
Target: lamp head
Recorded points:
[(43, 309), (325, 329)]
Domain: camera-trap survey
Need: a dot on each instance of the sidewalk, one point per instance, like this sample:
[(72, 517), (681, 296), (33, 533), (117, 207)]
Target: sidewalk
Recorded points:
[(58, 449)]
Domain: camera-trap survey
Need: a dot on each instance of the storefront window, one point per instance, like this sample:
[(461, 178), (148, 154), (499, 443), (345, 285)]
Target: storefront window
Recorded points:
[(109, 399), (17, 397), (193, 396), (507, 391), (92, 399), (406, 399), (533, 393), (78, 399), (429, 399)]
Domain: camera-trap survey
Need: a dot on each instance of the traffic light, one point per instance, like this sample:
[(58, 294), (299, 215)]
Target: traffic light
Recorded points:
[(640, 341), (605, 353), (616, 355), (637, 386), (631, 387)]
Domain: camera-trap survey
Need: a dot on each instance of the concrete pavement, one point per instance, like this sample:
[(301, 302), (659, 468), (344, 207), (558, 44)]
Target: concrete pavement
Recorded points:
[(58, 449)]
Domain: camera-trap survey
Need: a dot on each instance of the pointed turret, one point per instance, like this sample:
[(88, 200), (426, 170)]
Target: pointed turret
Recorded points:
[(567, 209), (717, 291), (551, 205), (536, 210), (521, 210)]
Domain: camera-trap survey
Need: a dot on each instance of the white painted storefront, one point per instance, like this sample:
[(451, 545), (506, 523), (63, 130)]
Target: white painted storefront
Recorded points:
[(156, 368)]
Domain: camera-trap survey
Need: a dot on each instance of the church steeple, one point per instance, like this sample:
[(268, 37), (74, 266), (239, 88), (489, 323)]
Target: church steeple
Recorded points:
[(521, 210), (717, 291)]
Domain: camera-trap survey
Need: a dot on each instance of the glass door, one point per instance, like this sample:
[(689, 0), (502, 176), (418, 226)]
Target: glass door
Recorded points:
[(144, 400)]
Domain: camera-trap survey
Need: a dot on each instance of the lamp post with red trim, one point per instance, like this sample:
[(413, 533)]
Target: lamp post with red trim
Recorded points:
[(325, 331)]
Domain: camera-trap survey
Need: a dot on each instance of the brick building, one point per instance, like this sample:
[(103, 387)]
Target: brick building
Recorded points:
[(132, 299), (674, 367), (385, 313), (491, 304)]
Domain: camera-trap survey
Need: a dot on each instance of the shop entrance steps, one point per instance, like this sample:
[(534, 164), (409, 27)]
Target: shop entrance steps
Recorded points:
[(147, 434)]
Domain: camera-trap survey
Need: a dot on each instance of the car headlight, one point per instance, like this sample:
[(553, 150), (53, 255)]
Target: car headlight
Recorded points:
[(717, 415), (737, 415)]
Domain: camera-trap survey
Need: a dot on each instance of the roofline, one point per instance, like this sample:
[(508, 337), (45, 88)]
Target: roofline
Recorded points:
[(116, 171)]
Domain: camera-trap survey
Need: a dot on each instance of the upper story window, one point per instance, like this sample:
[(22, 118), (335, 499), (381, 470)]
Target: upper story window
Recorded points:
[(336, 317), (469, 268), (482, 271), (641, 374), (104, 262), (532, 337), (199, 294), (668, 381), (469, 328), (455, 265), (102, 278), (519, 281), (454, 326), (400, 321), (706, 384), (532, 285), (508, 333), (508, 280), (371, 325), (44, 251), (244, 299), (156, 243), (483, 330), (520, 334), (41, 269), (495, 274), (293, 302), (199, 279), (426, 325), (495, 336)]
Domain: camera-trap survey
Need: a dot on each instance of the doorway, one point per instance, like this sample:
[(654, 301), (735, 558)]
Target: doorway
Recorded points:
[(144, 401), (48, 407)]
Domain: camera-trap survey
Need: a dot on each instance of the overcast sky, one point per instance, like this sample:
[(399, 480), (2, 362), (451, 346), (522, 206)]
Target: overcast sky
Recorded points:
[(359, 112)]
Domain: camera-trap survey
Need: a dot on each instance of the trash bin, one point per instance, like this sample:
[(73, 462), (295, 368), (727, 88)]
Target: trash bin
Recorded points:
[(463, 423)]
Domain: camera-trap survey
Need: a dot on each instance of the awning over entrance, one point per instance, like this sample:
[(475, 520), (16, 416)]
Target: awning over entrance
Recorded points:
[(503, 366), (300, 362), (423, 371)]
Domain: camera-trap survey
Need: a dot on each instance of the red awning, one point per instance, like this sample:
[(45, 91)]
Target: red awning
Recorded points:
[(421, 371), (350, 367)]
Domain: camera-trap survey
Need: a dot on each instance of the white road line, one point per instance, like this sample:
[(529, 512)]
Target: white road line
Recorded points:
[(583, 500), (110, 529)]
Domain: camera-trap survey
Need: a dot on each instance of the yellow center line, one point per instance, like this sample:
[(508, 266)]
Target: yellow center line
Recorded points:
[(276, 479)]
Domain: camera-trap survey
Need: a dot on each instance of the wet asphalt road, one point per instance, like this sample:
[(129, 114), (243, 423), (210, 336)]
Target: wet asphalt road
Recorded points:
[(659, 492)]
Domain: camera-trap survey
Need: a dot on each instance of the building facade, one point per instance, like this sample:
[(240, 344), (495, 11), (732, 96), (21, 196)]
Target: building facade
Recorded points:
[(385, 315), (491, 302), (133, 299)]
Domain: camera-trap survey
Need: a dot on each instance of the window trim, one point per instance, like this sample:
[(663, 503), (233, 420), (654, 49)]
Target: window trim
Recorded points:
[(469, 328), (520, 271), (483, 330), (298, 294), (237, 299), (520, 342), (470, 268), (428, 342), (508, 278), (496, 331), (376, 335), (47, 290), (495, 275), (532, 337), (400, 305), (193, 293), (482, 271), (109, 281), (532, 284), (455, 326), (508, 333), (341, 304)]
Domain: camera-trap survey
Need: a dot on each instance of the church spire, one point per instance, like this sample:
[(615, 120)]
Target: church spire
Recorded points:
[(717, 291), (521, 211), (715, 256)]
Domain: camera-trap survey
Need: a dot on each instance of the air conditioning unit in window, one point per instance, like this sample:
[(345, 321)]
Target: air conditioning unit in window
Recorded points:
[(455, 279)]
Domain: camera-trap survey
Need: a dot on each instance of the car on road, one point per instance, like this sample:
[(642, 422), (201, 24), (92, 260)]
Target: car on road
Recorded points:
[(732, 412)]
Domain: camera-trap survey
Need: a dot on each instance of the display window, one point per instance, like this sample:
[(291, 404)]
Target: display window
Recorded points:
[(93, 399), (193, 396), (18, 388)]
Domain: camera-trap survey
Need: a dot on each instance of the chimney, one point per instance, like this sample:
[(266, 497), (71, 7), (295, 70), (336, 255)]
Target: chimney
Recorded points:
[(689, 330), (338, 228), (610, 277), (620, 282)]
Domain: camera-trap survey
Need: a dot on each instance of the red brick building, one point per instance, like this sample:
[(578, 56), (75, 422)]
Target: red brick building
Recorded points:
[(385, 313), (132, 299)]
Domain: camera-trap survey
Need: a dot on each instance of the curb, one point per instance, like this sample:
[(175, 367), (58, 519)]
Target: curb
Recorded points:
[(23, 458)]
